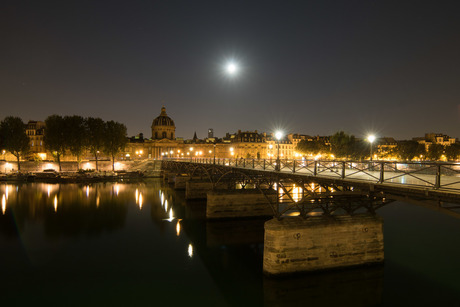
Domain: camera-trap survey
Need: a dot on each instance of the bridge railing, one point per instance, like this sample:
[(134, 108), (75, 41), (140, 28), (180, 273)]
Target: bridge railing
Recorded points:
[(434, 175)]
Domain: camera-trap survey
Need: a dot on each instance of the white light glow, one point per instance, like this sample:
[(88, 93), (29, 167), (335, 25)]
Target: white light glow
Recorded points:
[(3, 204), (371, 138), (278, 135), (232, 68), (55, 203), (190, 250), (178, 227)]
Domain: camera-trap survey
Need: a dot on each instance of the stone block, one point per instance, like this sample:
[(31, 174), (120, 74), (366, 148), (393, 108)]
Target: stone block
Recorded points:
[(320, 243)]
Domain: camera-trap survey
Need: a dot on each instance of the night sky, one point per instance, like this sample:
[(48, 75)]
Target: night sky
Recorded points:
[(312, 67)]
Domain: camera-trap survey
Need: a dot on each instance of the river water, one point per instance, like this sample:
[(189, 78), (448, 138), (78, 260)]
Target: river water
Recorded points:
[(133, 244)]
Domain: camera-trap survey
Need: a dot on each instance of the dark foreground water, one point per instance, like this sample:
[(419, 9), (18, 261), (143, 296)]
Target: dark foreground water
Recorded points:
[(142, 245)]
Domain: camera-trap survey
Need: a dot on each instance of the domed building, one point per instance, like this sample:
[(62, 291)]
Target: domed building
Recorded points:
[(162, 144), (163, 127)]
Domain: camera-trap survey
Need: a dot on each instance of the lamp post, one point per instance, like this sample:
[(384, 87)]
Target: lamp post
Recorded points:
[(214, 153), (278, 136), (371, 139)]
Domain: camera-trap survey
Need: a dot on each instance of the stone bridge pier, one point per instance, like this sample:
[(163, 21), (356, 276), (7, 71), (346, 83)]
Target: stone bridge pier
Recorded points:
[(316, 225), (294, 244)]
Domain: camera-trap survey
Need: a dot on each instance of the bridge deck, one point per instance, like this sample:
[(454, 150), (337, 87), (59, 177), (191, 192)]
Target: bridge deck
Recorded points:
[(436, 181)]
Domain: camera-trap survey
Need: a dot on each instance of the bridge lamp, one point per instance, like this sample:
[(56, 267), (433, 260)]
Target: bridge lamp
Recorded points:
[(371, 139), (278, 136)]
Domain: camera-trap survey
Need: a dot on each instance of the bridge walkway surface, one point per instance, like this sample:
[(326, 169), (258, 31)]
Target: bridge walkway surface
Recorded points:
[(425, 180)]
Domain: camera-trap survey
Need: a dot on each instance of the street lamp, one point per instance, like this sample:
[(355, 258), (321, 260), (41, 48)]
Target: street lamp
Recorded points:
[(278, 136), (371, 139)]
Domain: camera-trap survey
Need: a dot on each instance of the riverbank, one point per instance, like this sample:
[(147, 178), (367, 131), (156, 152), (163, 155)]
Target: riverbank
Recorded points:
[(48, 172), (75, 177)]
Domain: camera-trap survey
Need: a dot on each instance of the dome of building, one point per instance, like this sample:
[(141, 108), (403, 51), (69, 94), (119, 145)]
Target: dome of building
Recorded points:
[(163, 119), (163, 127)]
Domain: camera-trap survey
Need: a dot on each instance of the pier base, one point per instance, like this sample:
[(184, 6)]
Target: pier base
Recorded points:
[(171, 178), (294, 245), (180, 182), (238, 204), (197, 189)]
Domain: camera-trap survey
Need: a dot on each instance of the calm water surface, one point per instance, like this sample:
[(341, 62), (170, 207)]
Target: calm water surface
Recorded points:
[(143, 244)]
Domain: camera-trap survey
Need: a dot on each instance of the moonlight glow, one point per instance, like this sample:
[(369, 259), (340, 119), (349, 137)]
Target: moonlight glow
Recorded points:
[(232, 68)]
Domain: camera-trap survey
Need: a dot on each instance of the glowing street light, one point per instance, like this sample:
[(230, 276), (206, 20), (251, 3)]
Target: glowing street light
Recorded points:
[(371, 139), (278, 136)]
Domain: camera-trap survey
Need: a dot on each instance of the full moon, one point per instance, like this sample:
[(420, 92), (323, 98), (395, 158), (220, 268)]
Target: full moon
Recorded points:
[(231, 68)]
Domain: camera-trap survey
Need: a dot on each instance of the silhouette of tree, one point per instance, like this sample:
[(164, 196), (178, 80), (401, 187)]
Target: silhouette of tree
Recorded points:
[(14, 137), (115, 139), (75, 136), (55, 136), (95, 128)]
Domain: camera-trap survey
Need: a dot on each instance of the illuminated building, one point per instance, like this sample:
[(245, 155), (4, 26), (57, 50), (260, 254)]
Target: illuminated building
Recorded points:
[(162, 144), (35, 131)]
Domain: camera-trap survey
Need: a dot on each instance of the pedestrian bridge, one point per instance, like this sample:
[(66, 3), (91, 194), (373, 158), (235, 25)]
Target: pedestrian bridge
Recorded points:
[(324, 211), (417, 181)]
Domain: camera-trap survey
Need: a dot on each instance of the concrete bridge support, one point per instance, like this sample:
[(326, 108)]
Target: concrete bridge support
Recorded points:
[(171, 178), (180, 182), (294, 245), (197, 189), (238, 204)]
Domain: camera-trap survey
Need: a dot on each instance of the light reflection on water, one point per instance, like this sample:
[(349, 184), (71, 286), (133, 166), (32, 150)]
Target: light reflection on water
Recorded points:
[(123, 237)]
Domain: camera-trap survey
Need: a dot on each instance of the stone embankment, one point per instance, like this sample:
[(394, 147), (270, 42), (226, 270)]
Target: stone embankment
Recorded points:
[(130, 170)]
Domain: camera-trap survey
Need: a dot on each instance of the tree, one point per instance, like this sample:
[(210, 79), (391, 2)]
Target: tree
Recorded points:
[(342, 144), (75, 135), (407, 150), (55, 136), (435, 152), (453, 152), (314, 147), (95, 128), (14, 137), (115, 139), (359, 149)]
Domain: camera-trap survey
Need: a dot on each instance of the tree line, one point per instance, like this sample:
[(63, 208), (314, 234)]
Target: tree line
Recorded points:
[(345, 146), (62, 134)]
